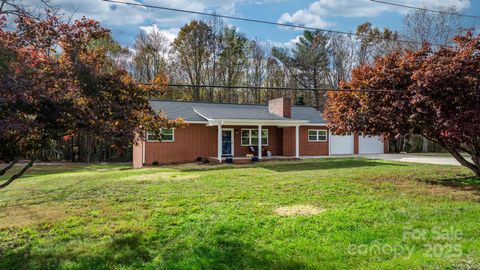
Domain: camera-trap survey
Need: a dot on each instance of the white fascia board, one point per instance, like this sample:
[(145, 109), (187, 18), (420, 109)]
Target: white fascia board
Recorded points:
[(314, 124), (196, 122), (250, 122)]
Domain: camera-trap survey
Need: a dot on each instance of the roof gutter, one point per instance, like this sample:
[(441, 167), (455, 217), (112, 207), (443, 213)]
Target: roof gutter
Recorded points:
[(251, 122), (254, 122)]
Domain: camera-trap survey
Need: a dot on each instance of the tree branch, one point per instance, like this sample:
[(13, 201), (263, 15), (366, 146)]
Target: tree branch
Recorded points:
[(472, 166), (9, 166), (20, 173), (463, 161)]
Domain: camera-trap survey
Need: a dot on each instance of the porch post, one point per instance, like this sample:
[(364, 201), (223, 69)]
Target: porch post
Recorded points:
[(259, 142), (297, 146), (219, 143)]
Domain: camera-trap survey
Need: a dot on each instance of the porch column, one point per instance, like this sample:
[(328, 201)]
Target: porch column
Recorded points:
[(297, 145), (259, 142), (219, 143)]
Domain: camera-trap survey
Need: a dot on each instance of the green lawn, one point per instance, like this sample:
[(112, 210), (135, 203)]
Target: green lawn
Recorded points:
[(222, 217)]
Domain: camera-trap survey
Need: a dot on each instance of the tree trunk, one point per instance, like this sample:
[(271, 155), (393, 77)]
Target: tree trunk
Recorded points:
[(474, 167), (20, 173), (72, 146), (8, 167), (424, 144), (315, 86), (399, 143), (88, 145)]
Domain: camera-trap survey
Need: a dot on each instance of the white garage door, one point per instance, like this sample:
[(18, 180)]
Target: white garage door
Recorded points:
[(370, 144), (341, 144)]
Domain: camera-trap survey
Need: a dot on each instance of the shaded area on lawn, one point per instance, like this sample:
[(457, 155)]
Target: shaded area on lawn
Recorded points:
[(463, 183), (127, 250), (134, 250), (56, 168), (292, 166), (326, 164), (226, 253)]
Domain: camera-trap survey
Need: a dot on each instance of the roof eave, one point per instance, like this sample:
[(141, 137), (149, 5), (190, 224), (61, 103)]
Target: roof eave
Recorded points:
[(255, 122)]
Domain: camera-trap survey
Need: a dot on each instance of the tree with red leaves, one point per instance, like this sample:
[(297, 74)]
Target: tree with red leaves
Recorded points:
[(435, 94), (57, 79)]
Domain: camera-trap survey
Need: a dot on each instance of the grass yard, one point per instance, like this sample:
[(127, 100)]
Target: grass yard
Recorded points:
[(342, 213)]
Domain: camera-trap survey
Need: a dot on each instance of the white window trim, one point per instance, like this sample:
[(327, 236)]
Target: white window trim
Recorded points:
[(250, 137), (317, 131), (172, 140)]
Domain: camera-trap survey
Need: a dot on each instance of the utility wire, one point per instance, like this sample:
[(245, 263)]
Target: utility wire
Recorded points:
[(324, 89), (252, 20), (426, 9)]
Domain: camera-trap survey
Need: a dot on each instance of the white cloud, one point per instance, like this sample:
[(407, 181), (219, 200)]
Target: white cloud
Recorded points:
[(304, 17), (317, 13), (170, 33), (125, 20)]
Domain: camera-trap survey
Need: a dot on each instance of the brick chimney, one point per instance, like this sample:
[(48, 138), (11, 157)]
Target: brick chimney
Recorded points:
[(281, 107)]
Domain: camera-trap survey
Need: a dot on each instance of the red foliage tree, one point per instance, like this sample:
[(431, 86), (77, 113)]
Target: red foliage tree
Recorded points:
[(57, 79), (435, 94)]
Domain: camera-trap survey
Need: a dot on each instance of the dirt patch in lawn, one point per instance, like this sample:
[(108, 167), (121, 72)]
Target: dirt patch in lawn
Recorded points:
[(25, 215), (300, 209)]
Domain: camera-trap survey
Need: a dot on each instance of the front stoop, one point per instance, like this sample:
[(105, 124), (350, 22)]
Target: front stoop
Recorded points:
[(246, 160)]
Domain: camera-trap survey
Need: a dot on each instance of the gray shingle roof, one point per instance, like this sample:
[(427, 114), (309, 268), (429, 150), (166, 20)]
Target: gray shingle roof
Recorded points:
[(193, 111), (307, 113)]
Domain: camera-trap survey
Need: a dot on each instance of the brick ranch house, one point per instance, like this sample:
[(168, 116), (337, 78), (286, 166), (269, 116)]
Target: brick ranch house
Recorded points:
[(217, 131)]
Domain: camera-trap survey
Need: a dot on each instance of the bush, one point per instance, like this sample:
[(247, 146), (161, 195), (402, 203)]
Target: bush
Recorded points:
[(199, 159), (155, 163), (205, 160)]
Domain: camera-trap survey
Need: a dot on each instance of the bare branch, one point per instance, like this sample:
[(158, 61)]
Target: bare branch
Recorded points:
[(8, 167), (461, 159), (17, 175)]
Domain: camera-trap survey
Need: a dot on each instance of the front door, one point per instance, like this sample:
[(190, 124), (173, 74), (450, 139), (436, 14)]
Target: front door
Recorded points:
[(227, 142)]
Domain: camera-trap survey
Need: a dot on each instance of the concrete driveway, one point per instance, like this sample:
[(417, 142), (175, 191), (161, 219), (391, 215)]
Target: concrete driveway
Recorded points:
[(416, 158)]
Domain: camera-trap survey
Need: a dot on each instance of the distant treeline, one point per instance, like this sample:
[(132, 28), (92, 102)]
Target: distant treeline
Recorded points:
[(208, 52)]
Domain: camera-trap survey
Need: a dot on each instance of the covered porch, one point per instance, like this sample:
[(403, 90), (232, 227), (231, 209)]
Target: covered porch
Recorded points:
[(264, 140)]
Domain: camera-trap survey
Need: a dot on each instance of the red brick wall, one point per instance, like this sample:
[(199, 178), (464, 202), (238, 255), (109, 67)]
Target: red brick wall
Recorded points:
[(312, 148), (190, 142), (281, 107), (288, 141), (137, 154), (306, 148)]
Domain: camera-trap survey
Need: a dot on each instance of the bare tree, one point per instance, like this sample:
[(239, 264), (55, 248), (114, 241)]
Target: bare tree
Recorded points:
[(434, 28), (217, 25), (150, 56), (257, 70), (373, 42), (17, 8), (342, 55), (191, 51)]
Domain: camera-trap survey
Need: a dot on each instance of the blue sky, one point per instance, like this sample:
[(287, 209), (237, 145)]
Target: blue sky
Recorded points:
[(345, 15)]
